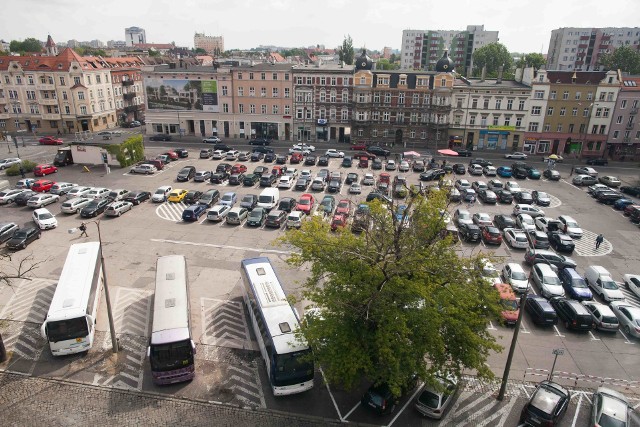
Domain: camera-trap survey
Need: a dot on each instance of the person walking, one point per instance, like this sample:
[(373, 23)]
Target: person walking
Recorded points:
[(22, 172), (83, 228), (599, 240), (571, 173)]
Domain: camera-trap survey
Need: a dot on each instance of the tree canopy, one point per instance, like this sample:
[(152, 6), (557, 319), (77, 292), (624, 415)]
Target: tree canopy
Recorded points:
[(346, 52), (624, 58), (386, 64), (395, 300), (492, 56), (28, 45)]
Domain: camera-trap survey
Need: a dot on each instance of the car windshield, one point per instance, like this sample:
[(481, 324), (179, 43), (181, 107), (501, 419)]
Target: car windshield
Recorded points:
[(429, 399), (571, 224), (578, 283), (551, 280), (528, 221), (160, 192), (255, 214), (518, 275), (304, 202), (247, 199), (509, 304), (609, 284), (20, 234), (464, 215), (227, 197), (543, 195), (45, 216)]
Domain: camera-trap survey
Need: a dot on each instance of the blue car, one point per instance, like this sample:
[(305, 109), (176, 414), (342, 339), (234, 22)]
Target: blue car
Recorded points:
[(504, 171), (620, 204), (533, 173), (574, 285), (193, 212)]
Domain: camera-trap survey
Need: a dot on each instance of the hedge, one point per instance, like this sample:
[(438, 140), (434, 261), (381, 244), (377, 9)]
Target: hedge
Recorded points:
[(129, 152), (27, 166)]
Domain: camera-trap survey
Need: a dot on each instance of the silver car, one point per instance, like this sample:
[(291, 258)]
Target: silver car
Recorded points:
[(432, 402), (236, 215), (218, 212), (610, 408), (628, 316), (117, 208), (74, 205)]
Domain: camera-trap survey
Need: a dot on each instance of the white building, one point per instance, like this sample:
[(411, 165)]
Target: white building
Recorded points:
[(135, 35), (211, 44)]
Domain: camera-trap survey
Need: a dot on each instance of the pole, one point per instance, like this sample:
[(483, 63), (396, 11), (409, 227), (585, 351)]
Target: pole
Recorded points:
[(114, 341), (512, 349), (179, 131), (553, 366)]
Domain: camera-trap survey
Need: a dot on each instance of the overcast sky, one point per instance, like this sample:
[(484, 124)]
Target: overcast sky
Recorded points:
[(524, 26)]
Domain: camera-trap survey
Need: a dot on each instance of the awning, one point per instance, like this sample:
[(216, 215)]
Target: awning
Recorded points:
[(411, 154), (448, 152)]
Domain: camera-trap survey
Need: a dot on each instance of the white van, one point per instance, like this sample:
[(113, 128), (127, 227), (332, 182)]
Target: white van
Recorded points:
[(269, 198), (599, 279)]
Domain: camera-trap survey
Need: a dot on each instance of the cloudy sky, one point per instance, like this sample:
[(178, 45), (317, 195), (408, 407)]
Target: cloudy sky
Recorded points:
[(524, 26)]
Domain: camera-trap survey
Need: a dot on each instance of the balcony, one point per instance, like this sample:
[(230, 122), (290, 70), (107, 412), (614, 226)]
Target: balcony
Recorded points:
[(51, 116), (48, 101), (127, 83), (129, 96), (4, 116), (45, 86)]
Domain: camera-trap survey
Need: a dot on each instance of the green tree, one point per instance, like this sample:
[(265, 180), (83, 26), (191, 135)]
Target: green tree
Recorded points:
[(535, 60), (385, 64), (346, 52), (492, 56), (200, 51), (624, 58), (28, 45), (395, 298), (153, 52)]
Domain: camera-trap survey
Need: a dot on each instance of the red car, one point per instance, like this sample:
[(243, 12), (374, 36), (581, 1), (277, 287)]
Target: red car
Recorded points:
[(630, 209), (50, 140), (491, 234), (238, 168), (45, 169), (296, 158), (344, 208), (172, 155), (359, 146), (305, 204), (42, 185), (338, 221)]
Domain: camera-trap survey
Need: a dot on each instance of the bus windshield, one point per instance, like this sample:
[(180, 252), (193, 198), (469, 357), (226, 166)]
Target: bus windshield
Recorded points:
[(292, 368), (167, 357), (68, 329)]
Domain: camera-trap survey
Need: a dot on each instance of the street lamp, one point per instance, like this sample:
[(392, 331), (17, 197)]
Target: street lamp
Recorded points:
[(512, 349), (114, 340)]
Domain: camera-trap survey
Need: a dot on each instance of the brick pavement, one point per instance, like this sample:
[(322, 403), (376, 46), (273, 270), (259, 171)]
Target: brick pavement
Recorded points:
[(31, 401)]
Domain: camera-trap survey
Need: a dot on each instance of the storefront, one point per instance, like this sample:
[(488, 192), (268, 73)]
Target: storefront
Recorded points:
[(322, 130), (264, 130), (493, 139)]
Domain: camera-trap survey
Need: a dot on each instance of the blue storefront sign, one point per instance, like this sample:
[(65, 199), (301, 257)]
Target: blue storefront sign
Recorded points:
[(492, 139)]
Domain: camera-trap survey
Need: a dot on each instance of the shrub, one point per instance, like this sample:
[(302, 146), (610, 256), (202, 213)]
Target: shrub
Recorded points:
[(27, 165)]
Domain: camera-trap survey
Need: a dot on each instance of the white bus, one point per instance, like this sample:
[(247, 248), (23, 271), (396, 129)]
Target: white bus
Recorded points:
[(71, 321), (289, 366), (171, 349)]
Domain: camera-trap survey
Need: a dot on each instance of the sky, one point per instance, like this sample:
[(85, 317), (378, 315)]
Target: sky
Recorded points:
[(524, 26)]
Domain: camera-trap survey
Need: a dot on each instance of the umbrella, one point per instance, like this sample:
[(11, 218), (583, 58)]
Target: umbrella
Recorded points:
[(553, 157), (411, 154), (448, 152)]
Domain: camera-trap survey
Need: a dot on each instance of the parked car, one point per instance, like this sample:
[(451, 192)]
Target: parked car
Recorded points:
[(145, 169), (540, 310), (586, 171), (610, 408), (523, 197), (599, 279), (633, 191), (572, 313), (574, 285), (561, 242), (218, 212), (137, 197), (257, 217), (276, 218), (551, 174), (44, 169), (23, 198), (6, 230), (629, 317), (22, 237), (491, 235), (469, 232), (503, 221), (597, 162), (95, 208), (42, 200), (514, 275), (117, 208), (547, 405), (516, 238), (583, 180), (504, 171), (117, 194), (610, 181), (44, 219), (604, 318), (556, 261), (8, 196), (160, 137), (6, 163), (538, 239), (230, 198), (161, 194), (541, 198), (177, 195), (61, 188), (202, 176), (236, 215), (432, 402), (50, 140), (532, 211), (504, 196), (570, 226)]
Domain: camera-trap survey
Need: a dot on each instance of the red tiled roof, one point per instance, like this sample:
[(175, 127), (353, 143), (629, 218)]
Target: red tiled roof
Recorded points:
[(630, 84), (50, 42)]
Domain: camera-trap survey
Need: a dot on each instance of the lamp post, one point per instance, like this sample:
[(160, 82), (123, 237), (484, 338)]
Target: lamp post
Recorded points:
[(179, 131), (585, 132), (114, 340), (512, 349)]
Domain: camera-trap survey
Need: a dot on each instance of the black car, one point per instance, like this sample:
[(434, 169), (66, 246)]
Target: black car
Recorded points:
[(223, 147), (334, 186), (464, 153), (488, 196), (22, 198), (541, 198), (302, 183), (469, 232), (547, 405), (520, 172), (310, 160), (523, 198), (94, 208), (633, 191), (186, 173), (263, 150), (160, 137), (249, 201), (376, 164), (534, 256), (219, 177), (192, 197), (572, 313), (378, 151), (137, 197), (22, 237), (540, 310), (551, 174), (224, 167), (504, 221), (432, 174), (323, 161), (209, 198), (260, 141), (459, 169), (561, 242), (597, 162), (256, 157), (181, 152), (287, 204), (504, 196), (481, 162), (260, 170), (608, 197), (236, 179), (270, 157), (275, 218), (347, 162), (381, 400), (250, 180), (351, 177), (257, 217), (281, 159), (267, 180)]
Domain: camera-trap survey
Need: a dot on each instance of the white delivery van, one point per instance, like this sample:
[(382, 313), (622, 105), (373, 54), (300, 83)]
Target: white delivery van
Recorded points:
[(269, 198), (599, 279)]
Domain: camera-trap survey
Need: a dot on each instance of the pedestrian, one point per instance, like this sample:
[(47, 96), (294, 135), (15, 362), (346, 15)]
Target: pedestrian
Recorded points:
[(22, 172), (599, 240), (83, 228), (571, 173)]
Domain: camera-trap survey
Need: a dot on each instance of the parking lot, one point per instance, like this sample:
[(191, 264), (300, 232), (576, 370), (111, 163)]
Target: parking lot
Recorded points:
[(229, 368)]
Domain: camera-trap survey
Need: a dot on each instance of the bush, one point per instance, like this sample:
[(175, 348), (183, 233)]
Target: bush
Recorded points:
[(27, 165), (128, 152)]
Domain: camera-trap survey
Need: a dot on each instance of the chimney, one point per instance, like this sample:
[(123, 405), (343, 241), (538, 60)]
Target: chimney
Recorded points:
[(483, 74), (500, 70)]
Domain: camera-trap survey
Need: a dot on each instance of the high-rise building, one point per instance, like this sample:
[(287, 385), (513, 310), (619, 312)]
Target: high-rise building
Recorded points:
[(581, 48), (211, 44), (421, 49), (135, 35)]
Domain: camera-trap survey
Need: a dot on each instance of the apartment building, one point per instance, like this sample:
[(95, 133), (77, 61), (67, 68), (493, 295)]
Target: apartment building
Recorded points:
[(624, 132), (580, 49), (421, 49), (135, 35), (322, 102), (213, 45)]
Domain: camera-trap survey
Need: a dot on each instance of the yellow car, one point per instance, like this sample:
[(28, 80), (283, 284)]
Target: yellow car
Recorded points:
[(177, 195)]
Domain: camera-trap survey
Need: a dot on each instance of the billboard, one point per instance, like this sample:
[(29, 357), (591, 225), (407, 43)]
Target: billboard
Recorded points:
[(181, 94)]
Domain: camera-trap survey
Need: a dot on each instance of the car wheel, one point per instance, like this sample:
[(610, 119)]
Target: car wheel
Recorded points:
[(566, 324), (627, 329), (38, 235), (24, 246)]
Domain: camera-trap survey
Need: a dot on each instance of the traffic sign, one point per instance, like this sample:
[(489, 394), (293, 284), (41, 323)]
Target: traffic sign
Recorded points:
[(558, 351)]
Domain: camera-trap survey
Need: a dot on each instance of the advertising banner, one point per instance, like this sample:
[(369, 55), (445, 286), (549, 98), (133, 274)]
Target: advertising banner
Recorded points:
[(181, 94)]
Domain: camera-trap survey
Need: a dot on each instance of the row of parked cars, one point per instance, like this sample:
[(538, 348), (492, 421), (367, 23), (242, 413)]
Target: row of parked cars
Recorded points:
[(607, 195)]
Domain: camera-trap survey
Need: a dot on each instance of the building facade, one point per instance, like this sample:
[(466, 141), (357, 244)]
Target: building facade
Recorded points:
[(580, 49), (421, 50), (213, 45), (134, 35), (624, 132), (322, 102), (128, 88)]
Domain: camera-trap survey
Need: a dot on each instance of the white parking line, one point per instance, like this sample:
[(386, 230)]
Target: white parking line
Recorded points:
[(351, 411), (575, 416), (418, 389), (491, 327), (525, 391), (568, 183), (558, 334), (626, 340), (593, 337), (211, 245)]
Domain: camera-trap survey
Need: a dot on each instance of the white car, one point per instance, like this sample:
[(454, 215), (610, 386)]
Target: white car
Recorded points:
[(304, 147), (525, 222), (604, 318), (117, 194), (161, 194), (117, 208), (44, 219), (512, 187), (318, 184), (41, 200), (632, 282), (475, 169), (98, 193), (25, 183), (490, 171), (482, 218), (368, 179), (547, 281), (355, 188), (462, 216), (300, 151), (516, 238), (542, 222), (490, 273), (62, 188), (332, 152), (462, 184), (596, 187), (305, 173), (7, 163), (532, 211), (295, 218), (8, 196), (232, 155), (211, 140), (285, 182), (514, 275), (570, 226), (517, 155), (391, 165), (495, 185), (218, 212), (628, 316), (292, 172), (145, 169), (74, 205), (79, 191), (218, 154), (607, 288), (404, 166)]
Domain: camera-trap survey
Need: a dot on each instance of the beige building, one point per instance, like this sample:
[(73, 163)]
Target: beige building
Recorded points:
[(211, 44)]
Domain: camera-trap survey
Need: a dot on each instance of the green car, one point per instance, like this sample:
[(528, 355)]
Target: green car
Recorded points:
[(533, 173), (256, 217), (250, 180)]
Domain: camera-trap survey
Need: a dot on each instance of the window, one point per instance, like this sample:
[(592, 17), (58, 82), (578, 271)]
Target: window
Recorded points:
[(472, 120), (533, 127), (81, 95), (589, 96), (287, 109), (298, 80), (274, 76), (401, 98), (263, 76), (263, 109), (250, 76), (241, 108), (333, 82), (413, 118), (474, 103), (521, 105), (287, 92), (252, 91), (509, 104), (252, 108), (550, 111), (387, 98), (585, 112), (496, 118), (239, 76), (240, 91), (603, 95), (323, 96), (309, 80), (67, 110), (578, 94), (88, 79), (76, 80), (83, 110), (62, 82), (574, 112), (332, 96), (263, 92), (412, 133), (565, 94), (374, 132), (619, 119), (563, 111), (376, 98), (518, 122), (345, 114), (225, 91), (552, 94), (538, 94), (345, 95), (547, 127), (286, 76), (498, 104), (400, 117), (225, 108), (623, 103), (507, 121), (485, 104), (415, 99), (274, 92), (594, 129), (536, 110), (386, 116), (598, 112), (603, 129)]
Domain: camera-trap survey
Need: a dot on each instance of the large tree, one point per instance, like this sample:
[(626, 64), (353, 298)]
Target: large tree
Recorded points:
[(346, 52), (28, 45), (492, 56), (535, 60), (395, 300), (624, 58)]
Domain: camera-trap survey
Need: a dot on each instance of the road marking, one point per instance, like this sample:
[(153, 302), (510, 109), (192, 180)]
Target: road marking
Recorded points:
[(212, 245), (626, 340), (558, 334), (593, 337), (502, 413), (335, 405), (523, 329), (575, 416), (491, 327), (525, 391), (351, 411), (409, 401), (568, 183)]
